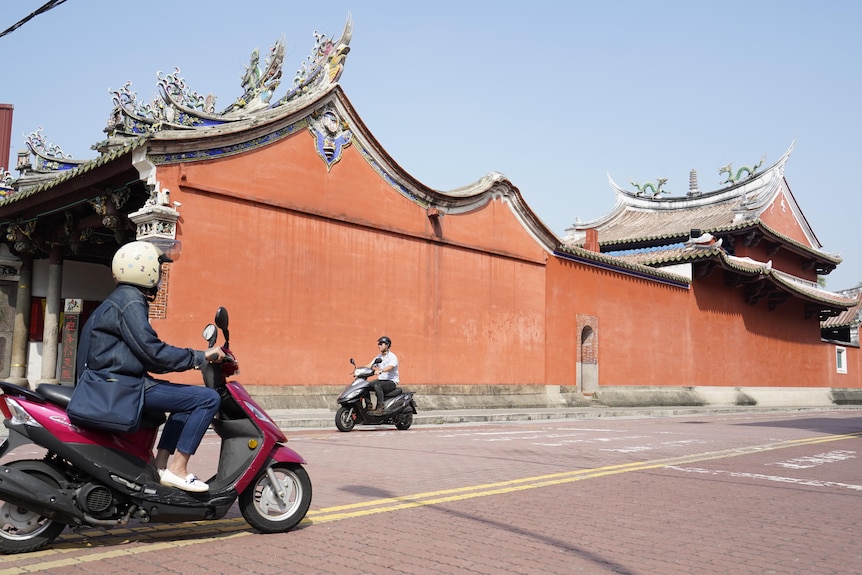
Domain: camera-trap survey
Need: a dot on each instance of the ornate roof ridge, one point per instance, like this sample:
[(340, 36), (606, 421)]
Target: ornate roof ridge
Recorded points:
[(478, 187), (261, 119), (738, 186), (752, 192), (177, 107)]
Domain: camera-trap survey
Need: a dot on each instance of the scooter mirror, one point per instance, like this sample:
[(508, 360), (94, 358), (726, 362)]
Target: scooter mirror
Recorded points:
[(210, 334), (221, 320)]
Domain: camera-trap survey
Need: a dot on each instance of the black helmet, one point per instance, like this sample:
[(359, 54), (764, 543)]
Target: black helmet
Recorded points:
[(384, 339)]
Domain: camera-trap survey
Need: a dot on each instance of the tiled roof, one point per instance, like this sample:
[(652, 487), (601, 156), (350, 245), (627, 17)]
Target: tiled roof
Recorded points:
[(809, 290), (69, 174), (852, 317), (687, 253), (637, 225), (705, 224), (621, 265), (666, 255), (649, 220)]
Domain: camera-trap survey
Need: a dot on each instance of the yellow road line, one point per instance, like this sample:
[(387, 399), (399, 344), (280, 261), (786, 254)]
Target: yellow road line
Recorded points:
[(236, 527), (437, 497)]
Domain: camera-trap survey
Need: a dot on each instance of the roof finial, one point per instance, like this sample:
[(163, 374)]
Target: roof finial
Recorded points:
[(692, 184)]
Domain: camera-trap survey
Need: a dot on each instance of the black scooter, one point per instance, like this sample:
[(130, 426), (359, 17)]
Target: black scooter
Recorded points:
[(355, 402)]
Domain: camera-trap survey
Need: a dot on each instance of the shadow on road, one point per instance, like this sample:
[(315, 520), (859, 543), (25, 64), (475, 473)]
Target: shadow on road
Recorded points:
[(832, 426)]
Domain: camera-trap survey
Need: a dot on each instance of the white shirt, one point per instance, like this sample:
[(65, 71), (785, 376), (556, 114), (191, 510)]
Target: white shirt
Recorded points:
[(390, 359)]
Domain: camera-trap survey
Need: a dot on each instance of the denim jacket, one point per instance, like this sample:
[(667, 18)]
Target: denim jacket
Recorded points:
[(122, 341)]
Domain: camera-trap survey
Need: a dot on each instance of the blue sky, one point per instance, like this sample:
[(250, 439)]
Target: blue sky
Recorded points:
[(555, 95)]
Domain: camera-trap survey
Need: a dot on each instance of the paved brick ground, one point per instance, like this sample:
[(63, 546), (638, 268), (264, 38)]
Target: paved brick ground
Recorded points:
[(699, 494)]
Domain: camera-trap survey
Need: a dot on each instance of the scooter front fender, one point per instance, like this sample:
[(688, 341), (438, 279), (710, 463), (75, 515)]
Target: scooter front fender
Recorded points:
[(284, 454), (354, 391)]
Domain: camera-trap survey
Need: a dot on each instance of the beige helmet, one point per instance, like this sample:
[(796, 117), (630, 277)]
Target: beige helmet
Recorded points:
[(138, 264)]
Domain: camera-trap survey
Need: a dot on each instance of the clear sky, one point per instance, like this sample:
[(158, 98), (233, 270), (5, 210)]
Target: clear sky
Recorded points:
[(556, 95)]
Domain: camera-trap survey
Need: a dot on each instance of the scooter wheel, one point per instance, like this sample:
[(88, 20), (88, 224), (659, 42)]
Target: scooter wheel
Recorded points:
[(404, 421), (22, 530), (344, 419), (271, 508)]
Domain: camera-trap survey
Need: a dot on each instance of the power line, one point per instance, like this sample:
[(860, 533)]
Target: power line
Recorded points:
[(48, 5)]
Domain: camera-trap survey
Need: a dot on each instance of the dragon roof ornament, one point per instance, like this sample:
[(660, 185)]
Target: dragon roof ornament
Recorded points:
[(49, 157), (178, 107), (654, 190), (751, 184)]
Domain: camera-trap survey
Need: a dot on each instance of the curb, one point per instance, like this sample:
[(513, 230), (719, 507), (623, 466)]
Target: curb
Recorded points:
[(302, 419)]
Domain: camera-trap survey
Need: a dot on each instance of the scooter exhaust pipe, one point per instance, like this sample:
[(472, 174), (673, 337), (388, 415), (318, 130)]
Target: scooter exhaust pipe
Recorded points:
[(19, 488)]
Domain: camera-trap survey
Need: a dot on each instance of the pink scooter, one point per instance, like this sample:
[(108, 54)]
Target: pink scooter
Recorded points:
[(96, 478)]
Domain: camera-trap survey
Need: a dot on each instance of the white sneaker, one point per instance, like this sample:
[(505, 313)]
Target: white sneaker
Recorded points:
[(190, 483)]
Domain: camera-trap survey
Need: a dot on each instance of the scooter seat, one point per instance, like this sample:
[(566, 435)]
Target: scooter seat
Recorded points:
[(394, 393), (56, 394), (61, 394)]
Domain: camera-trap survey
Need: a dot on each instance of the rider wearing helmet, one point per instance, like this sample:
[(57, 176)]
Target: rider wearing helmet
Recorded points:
[(386, 370), (122, 341)]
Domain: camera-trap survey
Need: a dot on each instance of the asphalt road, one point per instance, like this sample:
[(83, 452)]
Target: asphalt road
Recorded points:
[(750, 493)]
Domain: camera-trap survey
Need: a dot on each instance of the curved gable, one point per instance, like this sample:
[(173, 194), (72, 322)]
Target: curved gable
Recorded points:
[(784, 216)]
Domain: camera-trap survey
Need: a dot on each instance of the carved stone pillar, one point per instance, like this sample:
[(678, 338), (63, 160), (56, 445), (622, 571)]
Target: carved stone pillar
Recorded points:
[(51, 333), (21, 328)]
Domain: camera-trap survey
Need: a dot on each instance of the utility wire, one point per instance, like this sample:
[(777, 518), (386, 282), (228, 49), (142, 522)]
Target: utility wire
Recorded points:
[(48, 5)]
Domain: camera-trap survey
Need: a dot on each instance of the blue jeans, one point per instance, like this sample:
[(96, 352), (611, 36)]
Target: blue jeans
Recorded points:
[(191, 407)]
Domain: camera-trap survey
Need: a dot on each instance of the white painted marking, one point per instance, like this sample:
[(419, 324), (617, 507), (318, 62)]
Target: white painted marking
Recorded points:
[(563, 429), (776, 478), (684, 442), (816, 460), (632, 449)]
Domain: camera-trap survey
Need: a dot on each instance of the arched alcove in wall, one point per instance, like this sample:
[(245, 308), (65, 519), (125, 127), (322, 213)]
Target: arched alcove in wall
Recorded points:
[(588, 355)]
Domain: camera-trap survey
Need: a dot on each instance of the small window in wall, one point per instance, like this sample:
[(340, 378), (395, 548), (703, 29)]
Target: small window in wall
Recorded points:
[(841, 359)]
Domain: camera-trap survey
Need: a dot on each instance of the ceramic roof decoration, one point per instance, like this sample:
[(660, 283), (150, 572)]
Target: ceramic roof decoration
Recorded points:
[(178, 107), (647, 221), (693, 234), (649, 232)]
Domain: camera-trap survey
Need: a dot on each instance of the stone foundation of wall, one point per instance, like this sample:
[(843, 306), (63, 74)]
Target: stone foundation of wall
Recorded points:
[(434, 397)]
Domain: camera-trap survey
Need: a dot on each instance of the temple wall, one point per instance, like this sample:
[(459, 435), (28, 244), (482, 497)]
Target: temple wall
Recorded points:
[(314, 266), (655, 335)]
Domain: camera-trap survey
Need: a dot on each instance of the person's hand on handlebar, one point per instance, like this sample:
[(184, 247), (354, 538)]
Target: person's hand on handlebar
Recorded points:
[(215, 355)]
